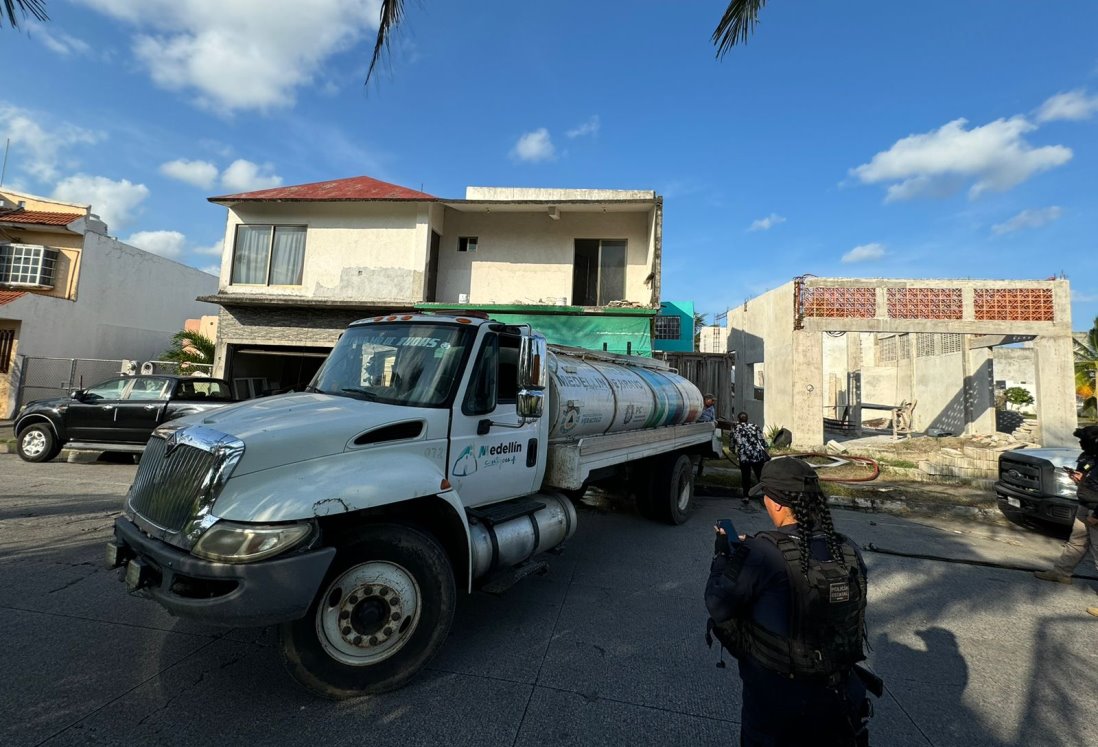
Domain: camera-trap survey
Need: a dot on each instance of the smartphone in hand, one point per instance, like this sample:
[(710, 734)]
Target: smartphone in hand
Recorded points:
[(729, 530)]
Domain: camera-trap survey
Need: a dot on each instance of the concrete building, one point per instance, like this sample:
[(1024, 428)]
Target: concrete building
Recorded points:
[(713, 339), (68, 290), (673, 327), (852, 350), (301, 262)]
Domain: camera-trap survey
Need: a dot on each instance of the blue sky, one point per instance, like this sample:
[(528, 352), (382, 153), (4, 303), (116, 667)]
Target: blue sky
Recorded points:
[(856, 138)]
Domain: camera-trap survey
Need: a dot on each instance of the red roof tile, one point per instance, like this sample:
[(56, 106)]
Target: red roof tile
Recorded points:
[(354, 189), (40, 217), (8, 296)]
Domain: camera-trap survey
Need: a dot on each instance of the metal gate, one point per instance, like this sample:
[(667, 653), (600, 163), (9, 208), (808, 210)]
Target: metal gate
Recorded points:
[(43, 378), (710, 372)]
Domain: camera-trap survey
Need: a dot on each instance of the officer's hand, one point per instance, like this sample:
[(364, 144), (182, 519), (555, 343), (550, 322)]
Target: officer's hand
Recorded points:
[(720, 544), (1092, 520)]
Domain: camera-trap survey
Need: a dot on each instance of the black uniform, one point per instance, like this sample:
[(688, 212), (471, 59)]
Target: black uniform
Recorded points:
[(754, 585)]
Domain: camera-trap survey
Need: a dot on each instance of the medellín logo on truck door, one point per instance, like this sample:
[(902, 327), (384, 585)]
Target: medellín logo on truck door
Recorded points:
[(499, 454)]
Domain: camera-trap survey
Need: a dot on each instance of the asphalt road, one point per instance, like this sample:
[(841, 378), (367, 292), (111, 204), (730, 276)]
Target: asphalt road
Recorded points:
[(606, 648)]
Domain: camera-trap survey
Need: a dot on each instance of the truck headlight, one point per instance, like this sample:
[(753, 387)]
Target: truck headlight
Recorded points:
[(228, 542), (1065, 486)]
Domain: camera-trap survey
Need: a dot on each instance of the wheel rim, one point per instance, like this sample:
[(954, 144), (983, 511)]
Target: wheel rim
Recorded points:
[(684, 492), (34, 443), (368, 613)]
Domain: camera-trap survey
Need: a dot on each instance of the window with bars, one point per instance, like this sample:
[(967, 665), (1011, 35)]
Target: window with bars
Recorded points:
[(667, 327), (27, 265)]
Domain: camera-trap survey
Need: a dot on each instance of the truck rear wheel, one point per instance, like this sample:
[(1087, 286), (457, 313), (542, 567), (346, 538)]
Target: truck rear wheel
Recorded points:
[(669, 495), (382, 614)]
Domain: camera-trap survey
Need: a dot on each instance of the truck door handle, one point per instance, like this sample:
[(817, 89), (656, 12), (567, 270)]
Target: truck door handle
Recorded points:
[(106, 407), (150, 407)]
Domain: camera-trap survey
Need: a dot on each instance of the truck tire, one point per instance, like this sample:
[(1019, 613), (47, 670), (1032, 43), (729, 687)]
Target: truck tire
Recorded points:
[(380, 616), (669, 494), (37, 443)]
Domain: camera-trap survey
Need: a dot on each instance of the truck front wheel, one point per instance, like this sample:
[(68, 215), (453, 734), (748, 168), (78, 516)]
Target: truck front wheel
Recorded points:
[(382, 614)]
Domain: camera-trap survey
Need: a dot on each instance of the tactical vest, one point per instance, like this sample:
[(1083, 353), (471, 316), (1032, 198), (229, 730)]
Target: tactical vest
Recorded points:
[(826, 617)]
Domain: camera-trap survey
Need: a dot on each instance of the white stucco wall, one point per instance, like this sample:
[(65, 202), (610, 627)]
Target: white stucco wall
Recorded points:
[(128, 304), (528, 257), (361, 251), (761, 331)]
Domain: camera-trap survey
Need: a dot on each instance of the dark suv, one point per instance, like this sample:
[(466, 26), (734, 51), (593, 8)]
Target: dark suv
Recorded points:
[(116, 415)]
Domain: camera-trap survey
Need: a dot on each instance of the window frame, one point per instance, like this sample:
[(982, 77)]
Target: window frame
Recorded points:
[(667, 318), (468, 244), (599, 301), (270, 253)]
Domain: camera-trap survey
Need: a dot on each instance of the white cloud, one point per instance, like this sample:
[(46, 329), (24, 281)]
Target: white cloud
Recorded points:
[(765, 224), (1032, 218), (37, 148), (214, 250), (245, 176), (995, 156), (590, 127), (534, 146), (165, 243), (116, 202), (864, 253), (1073, 105), (59, 42), (244, 54), (201, 174)]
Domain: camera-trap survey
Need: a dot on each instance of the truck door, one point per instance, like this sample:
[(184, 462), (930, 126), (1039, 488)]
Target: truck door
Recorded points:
[(491, 457), (91, 418), (142, 409)]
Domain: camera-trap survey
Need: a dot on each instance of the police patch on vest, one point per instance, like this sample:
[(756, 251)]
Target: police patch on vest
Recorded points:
[(839, 592)]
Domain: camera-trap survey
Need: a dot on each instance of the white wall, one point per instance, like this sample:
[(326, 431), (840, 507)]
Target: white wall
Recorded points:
[(528, 257), (762, 330), (128, 304)]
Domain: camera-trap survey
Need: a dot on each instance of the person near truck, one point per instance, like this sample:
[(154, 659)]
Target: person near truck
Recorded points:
[(789, 604), (750, 446), (1084, 530), (709, 413)]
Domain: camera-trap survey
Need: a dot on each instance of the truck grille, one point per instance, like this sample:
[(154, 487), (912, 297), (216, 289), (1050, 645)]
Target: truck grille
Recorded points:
[(1021, 476), (167, 486)]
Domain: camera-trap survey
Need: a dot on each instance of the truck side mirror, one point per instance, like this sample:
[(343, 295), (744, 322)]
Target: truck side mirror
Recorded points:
[(533, 374)]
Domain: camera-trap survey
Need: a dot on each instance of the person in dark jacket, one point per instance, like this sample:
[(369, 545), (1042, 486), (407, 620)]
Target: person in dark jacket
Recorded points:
[(800, 686), (1084, 530)]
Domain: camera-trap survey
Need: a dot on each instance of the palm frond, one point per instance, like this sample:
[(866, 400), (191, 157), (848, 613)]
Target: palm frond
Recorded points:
[(392, 13), (737, 24), (36, 8)]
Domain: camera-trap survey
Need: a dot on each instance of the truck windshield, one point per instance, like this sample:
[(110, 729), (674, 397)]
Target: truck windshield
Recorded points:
[(412, 363)]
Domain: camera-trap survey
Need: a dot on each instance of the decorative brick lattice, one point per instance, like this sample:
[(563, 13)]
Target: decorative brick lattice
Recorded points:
[(950, 343), (1014, 304), (887, 349), (838, 303), (904, 343), (926, 344), (925, 303)]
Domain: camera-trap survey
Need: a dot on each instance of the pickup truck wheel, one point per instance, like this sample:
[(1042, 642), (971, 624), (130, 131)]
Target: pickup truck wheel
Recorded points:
[(37, 444), (383, 612), (672, 490)]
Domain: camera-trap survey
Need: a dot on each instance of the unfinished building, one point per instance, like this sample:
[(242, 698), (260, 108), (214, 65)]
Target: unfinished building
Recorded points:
[(843, 353)]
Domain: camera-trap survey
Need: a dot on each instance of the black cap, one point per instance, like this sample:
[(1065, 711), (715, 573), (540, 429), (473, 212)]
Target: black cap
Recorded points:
[(783, 476)]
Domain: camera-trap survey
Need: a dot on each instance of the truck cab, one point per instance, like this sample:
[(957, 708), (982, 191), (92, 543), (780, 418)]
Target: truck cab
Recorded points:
[(1033, 485)]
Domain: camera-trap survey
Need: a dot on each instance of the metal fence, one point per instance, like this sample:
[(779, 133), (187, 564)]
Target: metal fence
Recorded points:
[(44, 378), (710, 372)]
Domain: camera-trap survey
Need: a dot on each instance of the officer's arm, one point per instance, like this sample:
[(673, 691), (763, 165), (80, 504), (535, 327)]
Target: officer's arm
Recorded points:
[(731, 586)]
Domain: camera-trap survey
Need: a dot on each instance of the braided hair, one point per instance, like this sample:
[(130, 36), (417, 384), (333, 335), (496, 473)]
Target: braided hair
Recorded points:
[(812, 515)]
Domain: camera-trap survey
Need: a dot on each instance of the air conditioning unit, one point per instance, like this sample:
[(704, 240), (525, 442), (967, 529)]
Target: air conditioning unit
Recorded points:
[(129, 368), (27, 266), (148, 368)]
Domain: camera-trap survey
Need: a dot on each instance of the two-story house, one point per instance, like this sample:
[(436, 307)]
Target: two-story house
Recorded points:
[(68, 290), (301, 262)]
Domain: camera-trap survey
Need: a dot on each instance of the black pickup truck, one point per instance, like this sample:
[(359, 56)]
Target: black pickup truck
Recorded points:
[(1032, 484), (116, 415)]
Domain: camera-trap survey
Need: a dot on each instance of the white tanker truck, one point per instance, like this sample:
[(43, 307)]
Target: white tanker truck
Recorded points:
[(431, 453)]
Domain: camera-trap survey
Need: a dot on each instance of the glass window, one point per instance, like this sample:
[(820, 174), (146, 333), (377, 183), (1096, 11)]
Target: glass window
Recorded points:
[(667, 328), (467, 244), (598, 273), (193, 390), (149, 389), (480, 397), (268, 255), (111, 389)]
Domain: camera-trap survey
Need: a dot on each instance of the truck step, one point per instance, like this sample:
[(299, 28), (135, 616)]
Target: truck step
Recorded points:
[(501, 512), (499, 582)]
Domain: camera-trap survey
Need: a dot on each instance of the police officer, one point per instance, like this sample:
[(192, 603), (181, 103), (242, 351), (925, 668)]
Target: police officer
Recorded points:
[(789, 604)]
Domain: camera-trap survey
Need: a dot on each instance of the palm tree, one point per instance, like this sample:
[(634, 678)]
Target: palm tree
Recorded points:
[(736, 25), (36, 8), (189, 348), (1086, 362), (699, 322)]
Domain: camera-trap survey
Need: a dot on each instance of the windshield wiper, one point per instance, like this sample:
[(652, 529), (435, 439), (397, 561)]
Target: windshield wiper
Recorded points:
[(311, 388), (359, 390)]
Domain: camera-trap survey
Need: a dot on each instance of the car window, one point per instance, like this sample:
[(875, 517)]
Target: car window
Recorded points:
[(194, 390), (146, 389), (111, 389)]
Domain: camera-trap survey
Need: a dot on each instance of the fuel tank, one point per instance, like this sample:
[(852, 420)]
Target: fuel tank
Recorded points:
[(593, 394)]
